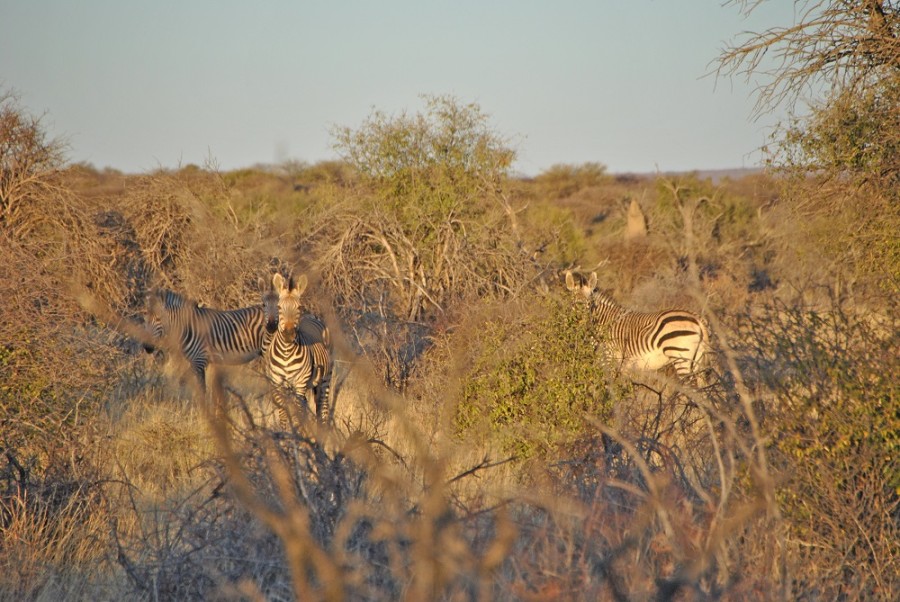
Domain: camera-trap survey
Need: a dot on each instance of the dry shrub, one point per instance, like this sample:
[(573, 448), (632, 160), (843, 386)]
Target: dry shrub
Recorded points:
[(29, 168), (52, 520), (57, 529), (620, 517), (391, 288), (356, 523), (832, 408), (177, 223), (157, 448)]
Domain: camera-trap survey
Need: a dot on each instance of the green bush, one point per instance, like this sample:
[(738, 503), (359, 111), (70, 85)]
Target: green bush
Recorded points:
[(561, 181), (536, 372), (431, 167)]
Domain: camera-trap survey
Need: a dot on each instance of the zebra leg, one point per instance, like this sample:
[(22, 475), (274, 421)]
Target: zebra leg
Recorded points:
[(321, 395), (199, 365), (281, 411), (307, 397), (323, 401)]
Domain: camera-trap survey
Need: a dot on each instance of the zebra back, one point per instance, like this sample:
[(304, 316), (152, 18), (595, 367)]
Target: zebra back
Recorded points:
[(206, 335)]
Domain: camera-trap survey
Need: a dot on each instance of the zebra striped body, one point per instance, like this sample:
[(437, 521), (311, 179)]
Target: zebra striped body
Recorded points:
[(298, 358), (646, 341), (205, 335)]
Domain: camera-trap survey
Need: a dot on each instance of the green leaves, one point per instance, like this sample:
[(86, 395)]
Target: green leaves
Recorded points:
[(535, 378), (430, 165)]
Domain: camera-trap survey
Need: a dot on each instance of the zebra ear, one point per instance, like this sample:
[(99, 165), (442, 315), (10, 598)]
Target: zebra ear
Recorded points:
[(570, 280), (301, 284), (592, 283), (278, 282)]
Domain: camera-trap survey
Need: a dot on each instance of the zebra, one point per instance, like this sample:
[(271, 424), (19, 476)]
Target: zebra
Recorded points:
[(298, 357), (204, 335), (646, 341)]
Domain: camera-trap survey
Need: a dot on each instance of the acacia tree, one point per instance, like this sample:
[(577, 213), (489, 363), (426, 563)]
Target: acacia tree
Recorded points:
[(839, 46)]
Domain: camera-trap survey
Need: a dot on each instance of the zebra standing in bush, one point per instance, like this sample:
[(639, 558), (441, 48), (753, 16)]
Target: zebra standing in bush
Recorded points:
[(298, 358), (204, 335), (646, 341)]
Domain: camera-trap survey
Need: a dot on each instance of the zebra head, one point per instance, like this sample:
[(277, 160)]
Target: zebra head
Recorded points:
[(156, 307), (289, 305), (579, 283), (162, 307), (270, 306)]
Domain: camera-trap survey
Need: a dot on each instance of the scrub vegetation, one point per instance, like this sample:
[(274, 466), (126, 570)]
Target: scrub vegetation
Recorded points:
[(484, 446)]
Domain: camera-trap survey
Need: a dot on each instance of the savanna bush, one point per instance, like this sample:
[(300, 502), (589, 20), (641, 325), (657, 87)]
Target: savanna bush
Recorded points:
[(535, 372), (561, 181), (834, 419)]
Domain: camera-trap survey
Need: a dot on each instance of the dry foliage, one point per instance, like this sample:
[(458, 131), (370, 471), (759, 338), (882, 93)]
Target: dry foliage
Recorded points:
[(29, 164)]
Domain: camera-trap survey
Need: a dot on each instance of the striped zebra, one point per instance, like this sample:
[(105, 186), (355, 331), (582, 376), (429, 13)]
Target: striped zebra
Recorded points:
[(204, 335), (645, 341), (298, 358)]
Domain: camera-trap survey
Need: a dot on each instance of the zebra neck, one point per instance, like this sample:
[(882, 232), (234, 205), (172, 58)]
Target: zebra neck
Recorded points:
[(605, 309), (285, 339)]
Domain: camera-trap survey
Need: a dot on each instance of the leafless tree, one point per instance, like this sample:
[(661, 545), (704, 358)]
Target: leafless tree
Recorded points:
[(834, 45)]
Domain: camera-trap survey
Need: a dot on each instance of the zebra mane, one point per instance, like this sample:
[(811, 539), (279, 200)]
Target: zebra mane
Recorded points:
[(170, 300), (598, 297)]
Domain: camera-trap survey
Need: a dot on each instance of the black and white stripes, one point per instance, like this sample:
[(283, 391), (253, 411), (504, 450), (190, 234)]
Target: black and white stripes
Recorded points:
[(298, 358), (645, 341), (205, 335)]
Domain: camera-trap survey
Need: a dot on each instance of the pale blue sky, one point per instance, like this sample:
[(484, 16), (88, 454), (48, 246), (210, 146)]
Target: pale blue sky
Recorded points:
[(142, 85)]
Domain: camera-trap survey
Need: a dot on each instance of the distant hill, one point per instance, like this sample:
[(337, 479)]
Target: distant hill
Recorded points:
[(716, 175)]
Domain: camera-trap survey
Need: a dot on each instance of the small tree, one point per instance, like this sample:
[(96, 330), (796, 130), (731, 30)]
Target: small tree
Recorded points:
[(430, 223), (28, 162)]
